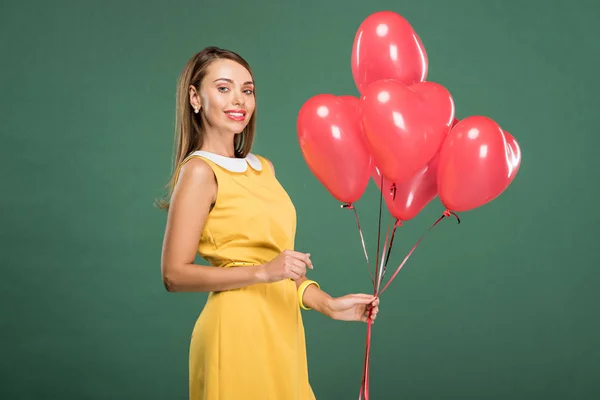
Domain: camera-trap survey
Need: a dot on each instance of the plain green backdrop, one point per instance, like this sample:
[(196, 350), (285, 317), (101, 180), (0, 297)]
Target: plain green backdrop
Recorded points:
[(502, 306)]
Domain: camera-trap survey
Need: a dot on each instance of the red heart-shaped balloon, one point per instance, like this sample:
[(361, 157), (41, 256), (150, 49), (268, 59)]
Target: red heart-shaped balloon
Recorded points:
[(387, 47), (405, 200), (405, 125), (334, 146), (478, 161)]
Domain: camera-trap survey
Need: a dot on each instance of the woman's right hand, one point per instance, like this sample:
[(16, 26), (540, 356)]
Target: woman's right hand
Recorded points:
[(289, 264)]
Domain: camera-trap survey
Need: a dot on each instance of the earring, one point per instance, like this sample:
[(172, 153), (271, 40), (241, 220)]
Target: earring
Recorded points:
[(196, 110)]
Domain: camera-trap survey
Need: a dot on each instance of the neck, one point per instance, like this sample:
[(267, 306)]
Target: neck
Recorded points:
[(220, 143)]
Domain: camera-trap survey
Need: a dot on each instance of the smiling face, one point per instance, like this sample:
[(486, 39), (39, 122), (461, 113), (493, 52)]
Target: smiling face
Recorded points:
[(226, 98)]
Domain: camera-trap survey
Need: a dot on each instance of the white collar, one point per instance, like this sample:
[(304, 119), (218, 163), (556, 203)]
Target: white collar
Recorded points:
[(231, 163)]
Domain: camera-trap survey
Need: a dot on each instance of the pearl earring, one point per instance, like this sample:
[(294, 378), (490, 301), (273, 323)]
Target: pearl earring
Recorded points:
[(196, 110)]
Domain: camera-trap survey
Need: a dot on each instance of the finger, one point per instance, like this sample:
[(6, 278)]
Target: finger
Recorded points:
[(300, 271), (297, 255), (294, 274), (371, 315), (371, 310), (363, 298), (298, 264), (304, 257), (308, 261)]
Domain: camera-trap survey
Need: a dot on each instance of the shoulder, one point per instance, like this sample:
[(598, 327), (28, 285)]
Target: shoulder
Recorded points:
[(195, 170), (265, 161)]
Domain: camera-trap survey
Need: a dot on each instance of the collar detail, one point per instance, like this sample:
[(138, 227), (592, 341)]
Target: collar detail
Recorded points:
[(231, 163)]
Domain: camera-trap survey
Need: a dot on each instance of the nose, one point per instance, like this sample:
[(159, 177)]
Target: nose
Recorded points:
[(238, 99)]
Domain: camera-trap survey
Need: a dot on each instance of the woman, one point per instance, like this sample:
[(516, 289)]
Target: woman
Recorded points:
[(227, 205)]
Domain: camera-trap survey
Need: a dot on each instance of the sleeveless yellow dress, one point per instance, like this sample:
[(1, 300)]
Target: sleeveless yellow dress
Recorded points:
[(248, 343)]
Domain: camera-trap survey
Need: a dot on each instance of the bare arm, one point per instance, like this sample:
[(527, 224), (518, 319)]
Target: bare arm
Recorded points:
[(192, 197), (351, 307), (316, 298)]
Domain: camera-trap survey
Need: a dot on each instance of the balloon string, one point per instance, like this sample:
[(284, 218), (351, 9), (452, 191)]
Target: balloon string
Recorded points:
[(387, 259), (362, 239), (380, 266), (366, 366), (377, 278), (446, 213), (364, 388)]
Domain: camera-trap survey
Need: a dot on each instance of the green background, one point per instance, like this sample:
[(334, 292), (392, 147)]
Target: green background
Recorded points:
[(502, 306)]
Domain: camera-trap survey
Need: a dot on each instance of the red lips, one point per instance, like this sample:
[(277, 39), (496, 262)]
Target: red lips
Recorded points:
[(236, 115)]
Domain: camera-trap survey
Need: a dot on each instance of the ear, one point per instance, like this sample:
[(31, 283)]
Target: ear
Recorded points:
[(194, 99)]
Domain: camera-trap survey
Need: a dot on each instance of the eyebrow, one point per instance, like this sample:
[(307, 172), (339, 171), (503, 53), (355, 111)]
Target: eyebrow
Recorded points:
[(230, 81)]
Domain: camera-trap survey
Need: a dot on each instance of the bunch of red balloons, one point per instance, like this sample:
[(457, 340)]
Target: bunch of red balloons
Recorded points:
[(402, 131)]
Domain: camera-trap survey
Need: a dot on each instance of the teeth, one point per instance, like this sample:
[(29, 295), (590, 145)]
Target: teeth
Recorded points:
[(236, 114)]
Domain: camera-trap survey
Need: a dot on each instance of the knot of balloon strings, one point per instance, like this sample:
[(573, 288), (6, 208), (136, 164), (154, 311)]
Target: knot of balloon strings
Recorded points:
[(448, 213)]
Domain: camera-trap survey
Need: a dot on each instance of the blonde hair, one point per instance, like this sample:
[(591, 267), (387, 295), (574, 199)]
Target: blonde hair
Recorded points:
[(189, 132)]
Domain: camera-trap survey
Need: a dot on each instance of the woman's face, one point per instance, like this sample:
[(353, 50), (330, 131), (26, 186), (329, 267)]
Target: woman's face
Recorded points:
[(226, 96)]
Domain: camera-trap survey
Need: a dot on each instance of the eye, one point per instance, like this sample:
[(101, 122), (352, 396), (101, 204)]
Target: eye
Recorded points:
[(249, 91), (222, 89)]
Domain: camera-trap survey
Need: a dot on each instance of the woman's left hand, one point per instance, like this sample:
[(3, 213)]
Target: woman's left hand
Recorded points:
[(354, 307)]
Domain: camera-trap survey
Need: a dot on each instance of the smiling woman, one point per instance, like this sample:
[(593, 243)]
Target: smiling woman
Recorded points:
[(227, 205), (223, 92)]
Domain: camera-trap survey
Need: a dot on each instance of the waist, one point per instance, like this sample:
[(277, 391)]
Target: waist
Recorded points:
[(238, 254), (281, 292)]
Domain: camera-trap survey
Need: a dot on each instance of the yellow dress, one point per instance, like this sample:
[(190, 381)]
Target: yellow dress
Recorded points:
[(248, 343)]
